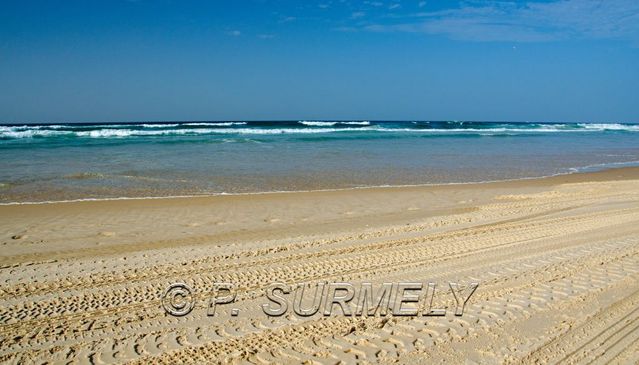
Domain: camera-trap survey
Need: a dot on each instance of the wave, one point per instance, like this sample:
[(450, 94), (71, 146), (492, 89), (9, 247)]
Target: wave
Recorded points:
[(214, 124), (609, 126), (310, 127), (30, 133), (364, 122), (289, 130), (160, 125), (317, 124), (330, 124)]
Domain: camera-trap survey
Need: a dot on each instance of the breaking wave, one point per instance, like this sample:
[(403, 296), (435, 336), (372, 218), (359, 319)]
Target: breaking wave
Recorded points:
[(128, 130)]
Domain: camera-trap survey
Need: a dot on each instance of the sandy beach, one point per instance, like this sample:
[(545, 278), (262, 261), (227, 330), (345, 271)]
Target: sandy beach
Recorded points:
[(556, 259)]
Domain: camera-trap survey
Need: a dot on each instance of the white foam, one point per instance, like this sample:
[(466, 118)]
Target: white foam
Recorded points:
[(157, 125), (317, 124), (364, 122), (291, 130), (30, 133), (609, 126), (214, 124), (102, 133)]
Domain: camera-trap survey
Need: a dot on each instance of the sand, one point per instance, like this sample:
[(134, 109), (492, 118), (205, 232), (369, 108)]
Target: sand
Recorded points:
[(556, 259)]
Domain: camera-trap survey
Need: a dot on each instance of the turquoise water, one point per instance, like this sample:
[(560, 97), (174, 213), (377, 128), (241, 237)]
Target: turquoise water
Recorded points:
[(79, 161)]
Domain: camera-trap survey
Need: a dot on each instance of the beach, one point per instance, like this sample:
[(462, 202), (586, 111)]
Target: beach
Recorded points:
[(319, 183), (556, 261)]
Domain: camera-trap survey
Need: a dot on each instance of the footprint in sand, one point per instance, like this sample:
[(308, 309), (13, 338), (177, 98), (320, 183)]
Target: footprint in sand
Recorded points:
[(106, 234)]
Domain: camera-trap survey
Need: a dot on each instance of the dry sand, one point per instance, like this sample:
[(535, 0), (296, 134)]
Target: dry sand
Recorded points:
[(557, 260)]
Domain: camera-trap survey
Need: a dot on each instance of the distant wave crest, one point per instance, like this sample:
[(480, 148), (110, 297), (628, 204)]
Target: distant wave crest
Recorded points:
[(317, 124), (214, 124), (330, 124), (609, 126)]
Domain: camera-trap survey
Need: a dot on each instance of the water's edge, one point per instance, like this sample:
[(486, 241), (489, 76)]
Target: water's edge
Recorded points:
[(583, 170)]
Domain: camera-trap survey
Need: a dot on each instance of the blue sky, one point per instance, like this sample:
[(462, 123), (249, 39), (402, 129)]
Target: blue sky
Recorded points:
[(564, 60)]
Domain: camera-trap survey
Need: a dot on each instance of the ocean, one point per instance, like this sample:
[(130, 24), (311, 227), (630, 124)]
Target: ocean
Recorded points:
[(54, 162)]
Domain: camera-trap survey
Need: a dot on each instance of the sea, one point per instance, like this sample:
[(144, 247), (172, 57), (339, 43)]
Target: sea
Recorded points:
[(85, 161)]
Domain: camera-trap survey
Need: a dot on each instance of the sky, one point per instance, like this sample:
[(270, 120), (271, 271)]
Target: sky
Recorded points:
[(164, 60)]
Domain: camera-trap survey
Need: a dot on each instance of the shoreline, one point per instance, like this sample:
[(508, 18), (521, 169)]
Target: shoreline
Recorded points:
[(114, 226), (598, 168)]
